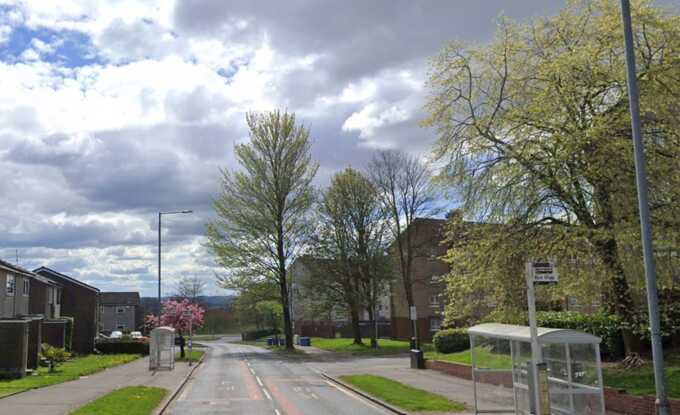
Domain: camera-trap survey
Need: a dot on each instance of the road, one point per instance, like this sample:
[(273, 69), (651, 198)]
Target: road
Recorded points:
[(241, 379)]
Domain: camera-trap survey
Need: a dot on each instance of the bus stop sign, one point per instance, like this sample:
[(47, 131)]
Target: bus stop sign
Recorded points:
[(543, 272)]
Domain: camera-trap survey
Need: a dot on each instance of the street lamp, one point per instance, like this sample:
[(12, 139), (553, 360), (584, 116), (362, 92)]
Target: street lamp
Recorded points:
[(662, 404), (160, 214)]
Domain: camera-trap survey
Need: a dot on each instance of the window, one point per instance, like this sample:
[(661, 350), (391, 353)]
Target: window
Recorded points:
[(435, 324), (434, 300), (11, 285), (120, 310), (57, 293), (27, 286)]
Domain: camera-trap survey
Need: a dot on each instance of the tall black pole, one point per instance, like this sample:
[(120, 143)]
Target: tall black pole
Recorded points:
[(159, 268), (662, 406)]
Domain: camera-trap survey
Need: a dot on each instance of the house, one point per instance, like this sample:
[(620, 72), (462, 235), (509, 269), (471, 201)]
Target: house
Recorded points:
[(79, 301), (312, 319), (428, 287), (121, 311), (45, 297), (16, 288)]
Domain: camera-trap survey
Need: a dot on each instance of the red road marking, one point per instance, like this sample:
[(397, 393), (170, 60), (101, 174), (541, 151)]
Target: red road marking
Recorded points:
[(281, 399), (251, 386)]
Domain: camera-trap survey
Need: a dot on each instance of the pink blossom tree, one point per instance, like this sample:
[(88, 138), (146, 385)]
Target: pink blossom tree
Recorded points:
[(178, 315)]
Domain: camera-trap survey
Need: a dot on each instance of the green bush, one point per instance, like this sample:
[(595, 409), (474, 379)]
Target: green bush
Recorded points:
[(605, 326), (256, 334), (123, 347), (53, 355), (451, 340)]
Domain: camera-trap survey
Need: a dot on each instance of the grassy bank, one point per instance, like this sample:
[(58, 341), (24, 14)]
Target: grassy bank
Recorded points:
[(403, 396), (385, 346), (195, 355), (70, 370), (132, 400)]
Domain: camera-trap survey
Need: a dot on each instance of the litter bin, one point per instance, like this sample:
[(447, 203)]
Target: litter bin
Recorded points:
[(417, 359), (270, 341), (305, 341)]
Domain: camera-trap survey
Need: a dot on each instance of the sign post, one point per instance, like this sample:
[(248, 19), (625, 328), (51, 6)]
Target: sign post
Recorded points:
[(538, 272), (414, 319)]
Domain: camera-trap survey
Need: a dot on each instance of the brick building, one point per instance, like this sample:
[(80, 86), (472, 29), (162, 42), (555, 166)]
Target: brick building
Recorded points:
[(121, 311), (81, 302), (428, 287)]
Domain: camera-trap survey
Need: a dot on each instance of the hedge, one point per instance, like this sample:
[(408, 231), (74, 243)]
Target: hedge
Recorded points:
[(605, 326), (123, 347), (256, 334), (451, 340)]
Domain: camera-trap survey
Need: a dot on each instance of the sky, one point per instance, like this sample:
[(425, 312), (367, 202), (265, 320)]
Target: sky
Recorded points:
[(111, 111)]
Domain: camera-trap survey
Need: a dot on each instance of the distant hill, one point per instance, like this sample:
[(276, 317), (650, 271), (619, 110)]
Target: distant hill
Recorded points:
[(207, 301)]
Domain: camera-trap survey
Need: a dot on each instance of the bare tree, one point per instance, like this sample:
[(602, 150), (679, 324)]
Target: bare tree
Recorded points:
[(404, 186), (190, 288)]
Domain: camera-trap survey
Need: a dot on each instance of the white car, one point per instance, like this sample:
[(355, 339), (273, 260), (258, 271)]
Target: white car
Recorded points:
[(136, 334), (116, 334)]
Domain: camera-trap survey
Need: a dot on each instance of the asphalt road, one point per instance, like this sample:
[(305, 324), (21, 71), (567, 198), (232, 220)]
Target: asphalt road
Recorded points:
[(240, 379)]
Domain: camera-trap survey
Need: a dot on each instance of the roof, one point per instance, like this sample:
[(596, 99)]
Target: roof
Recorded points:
[(521, 333), (120, 298), (45, 280), (15, 268), (50, 273)]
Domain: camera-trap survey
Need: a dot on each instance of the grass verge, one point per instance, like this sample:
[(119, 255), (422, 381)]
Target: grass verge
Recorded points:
[(70, 370), (483, 356), (132, 400), (385, 346), (403, 396), (195, 355)]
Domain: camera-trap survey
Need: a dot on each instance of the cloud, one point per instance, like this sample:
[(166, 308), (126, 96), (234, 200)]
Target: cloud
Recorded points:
[(113, 111)]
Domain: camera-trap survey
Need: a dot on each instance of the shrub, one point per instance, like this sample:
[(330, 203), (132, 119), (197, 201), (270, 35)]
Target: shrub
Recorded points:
[(123, 347), (53, 355), (451, 340), (256, 334), (605, 326)]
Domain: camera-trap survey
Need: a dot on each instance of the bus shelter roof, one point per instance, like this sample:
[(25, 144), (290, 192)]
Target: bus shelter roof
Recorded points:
[(522, 333)]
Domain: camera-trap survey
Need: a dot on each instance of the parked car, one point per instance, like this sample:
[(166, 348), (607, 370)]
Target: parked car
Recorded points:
[(136, 334), (116, 334)]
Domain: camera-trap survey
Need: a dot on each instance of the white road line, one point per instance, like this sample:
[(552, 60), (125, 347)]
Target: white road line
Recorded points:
[(276, 411), (252, 371), (267, 394), (257, 378), (356, 397)]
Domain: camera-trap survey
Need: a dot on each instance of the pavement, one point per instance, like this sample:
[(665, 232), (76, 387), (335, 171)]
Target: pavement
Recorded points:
[(65, 397), (243, 379)]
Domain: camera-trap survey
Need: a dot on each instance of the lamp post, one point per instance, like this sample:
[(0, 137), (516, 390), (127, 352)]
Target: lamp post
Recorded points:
[(160, 215), (662, 405)]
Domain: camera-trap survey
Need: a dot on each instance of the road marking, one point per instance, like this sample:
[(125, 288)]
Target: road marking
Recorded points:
[(314, 395), (259, 382), (356, 397), (267, 394), (251, 370), (276, 411)]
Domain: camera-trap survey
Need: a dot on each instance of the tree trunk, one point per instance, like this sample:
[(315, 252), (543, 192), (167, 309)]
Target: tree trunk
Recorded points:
[(371, 319), (618, 297), (356, 329)]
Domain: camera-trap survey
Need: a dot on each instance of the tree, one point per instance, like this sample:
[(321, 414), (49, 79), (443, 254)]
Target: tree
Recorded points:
[(263, 208), (534, 130), (404, 187), (350, 266), (191, 288), (178, 315)]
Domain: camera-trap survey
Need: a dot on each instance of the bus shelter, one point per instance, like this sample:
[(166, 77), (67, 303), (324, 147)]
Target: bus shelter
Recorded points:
[(162, 348), (572, 358)]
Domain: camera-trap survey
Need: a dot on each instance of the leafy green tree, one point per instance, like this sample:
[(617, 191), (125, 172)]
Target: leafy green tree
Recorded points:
[(350, 264), (54, 355), (534, 132), (263, 208)]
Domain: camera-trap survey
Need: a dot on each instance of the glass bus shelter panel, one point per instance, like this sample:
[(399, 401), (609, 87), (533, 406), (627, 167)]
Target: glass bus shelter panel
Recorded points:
[(491, 362), (522, 377)]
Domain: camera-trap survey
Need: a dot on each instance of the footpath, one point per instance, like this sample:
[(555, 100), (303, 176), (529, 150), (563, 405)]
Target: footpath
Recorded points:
[(65, 397)]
